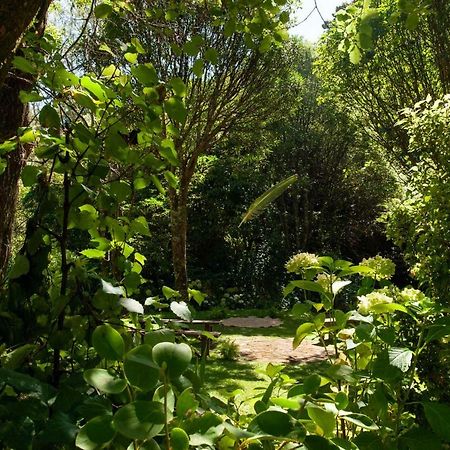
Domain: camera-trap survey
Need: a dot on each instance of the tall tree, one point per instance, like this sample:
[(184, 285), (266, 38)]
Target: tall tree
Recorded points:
[(15, 19), (221, 75)]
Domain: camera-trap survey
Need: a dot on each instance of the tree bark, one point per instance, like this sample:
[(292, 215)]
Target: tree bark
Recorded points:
[(13, 114), (15, 17), (178, 225)]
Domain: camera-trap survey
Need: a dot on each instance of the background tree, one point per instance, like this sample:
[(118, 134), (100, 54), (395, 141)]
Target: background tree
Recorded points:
[(222, 76), (15, 18)]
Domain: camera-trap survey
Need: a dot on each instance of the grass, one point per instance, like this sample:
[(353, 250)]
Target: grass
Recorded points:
[(224, 378)]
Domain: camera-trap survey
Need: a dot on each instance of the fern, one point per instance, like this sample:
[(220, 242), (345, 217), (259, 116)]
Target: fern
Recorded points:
[(257, 207)]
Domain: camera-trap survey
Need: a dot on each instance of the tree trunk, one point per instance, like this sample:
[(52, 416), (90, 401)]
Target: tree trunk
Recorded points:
[(15, 17), (178, 225), (13, 114)]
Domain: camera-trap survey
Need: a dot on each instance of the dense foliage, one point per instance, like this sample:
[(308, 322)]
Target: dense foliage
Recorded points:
[(169, 136)]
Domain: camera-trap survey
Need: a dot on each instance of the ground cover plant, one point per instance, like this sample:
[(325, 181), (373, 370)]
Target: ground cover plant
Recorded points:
[(134, 135)]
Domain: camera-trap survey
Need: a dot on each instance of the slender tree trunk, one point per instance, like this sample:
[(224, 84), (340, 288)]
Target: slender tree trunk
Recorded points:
[(13, 114), (178, 225), (15, 18)]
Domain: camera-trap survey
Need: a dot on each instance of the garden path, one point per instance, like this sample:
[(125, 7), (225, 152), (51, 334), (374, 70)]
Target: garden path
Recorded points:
[(271, 349)]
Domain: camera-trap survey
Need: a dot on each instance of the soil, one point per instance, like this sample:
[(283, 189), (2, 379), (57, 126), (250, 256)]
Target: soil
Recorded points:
[(277, 350), (271, 349)]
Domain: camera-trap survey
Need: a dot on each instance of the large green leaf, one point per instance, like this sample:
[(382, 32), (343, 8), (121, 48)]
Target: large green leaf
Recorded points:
[(324, 419), (108, 342), (95, 433), (140, 419), (360, 420), (186, 402), (140, 369), (175, 358), (306, 285), (438, 416), (21, 267), (272, 422), (258, 206), (102, 380), (302, 332)]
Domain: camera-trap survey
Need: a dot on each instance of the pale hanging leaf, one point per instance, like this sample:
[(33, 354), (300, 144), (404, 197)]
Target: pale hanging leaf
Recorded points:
[(401, 358), (338, 285), (132, 305), (181, 310), (268, 197), (108, 288)]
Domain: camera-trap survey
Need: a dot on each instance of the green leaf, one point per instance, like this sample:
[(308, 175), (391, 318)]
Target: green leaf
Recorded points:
[(176, 109), (257, 207), (181, 310), (29, 96), (355, 54), (85, 100), (179, 439), (16, 358), (140, 419), (311, 384), (108, 342), (382, 308), (175, 358), (102, 380), (93, 253), (94, 87), (96, 433), (168, 152), (304, 284), (197, 68), (359, 420), (120, 190), (198, 296), (412, 21), (140, 226), (21, 267), (272, 422), (438, 416), (29, 175), (131, 57), (302, 332), (212, 55), (186, 402), (169, 293), (178, 86), (324, 419), (192, 47), (319, 443), (22, 64), (49, 117), (103, 10), (341, 400), (420, 439), (146, 74), (140, 369)]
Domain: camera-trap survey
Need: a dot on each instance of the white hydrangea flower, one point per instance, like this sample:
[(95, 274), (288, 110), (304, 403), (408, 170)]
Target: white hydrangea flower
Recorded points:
[(367, 302), (302, 261), (382, 268)]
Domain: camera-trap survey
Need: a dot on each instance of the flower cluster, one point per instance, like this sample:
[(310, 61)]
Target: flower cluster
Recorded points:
[(326, 280), (382, 268), (302, 261), (367, 302), (411, 295)]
